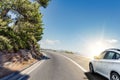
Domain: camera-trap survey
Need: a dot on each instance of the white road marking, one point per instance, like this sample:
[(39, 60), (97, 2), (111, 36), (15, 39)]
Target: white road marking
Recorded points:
[(32, 68), (84, 70), (25, 72)]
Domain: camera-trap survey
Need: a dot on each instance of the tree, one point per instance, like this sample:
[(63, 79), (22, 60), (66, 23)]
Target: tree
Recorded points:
[(24, 30), (5, 43), (43, 3)]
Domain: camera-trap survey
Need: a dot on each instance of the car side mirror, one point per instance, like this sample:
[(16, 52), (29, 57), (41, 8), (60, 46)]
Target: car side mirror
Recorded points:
[(96, 57)]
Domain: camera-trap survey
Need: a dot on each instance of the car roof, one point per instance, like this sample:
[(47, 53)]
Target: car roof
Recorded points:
[(114, 50)]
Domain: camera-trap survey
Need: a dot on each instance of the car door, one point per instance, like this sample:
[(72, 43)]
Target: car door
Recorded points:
[(112, 63), (107, 62), (97, 62)]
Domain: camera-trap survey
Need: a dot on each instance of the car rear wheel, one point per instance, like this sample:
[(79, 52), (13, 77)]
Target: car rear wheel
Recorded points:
[(91, 68), (114, 76)]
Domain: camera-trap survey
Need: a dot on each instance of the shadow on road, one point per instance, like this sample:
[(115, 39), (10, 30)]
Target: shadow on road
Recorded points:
[(7, 74), (45, 58), (95, 76)]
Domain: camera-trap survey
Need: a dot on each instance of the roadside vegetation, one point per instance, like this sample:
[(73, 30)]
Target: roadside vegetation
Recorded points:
[(20, 30), (69, 52)]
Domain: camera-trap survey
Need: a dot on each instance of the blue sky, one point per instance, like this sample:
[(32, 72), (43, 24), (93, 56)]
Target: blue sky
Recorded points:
[(76, 24)]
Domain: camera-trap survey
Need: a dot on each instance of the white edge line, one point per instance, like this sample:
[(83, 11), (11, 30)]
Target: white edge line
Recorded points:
[(84, 70), (35, 67), (31, 69)]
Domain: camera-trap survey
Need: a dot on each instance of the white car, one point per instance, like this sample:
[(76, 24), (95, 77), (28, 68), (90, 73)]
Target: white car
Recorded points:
[(107, 64)]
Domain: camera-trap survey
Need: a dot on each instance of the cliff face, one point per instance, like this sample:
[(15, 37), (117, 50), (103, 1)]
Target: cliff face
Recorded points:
[(20, 56), (10, 62)]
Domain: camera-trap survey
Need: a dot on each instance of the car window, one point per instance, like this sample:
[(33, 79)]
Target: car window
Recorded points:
[(109, 55), (117, 56), (101, 56)]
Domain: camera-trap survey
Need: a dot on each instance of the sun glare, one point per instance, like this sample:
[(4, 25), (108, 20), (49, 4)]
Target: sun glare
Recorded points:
[(97, 47)]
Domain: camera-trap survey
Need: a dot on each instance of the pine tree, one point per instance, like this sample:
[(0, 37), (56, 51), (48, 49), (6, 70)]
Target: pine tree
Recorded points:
[(24, 30)]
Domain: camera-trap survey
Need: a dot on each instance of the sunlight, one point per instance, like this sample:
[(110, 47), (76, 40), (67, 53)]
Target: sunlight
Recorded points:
[(97, 47)]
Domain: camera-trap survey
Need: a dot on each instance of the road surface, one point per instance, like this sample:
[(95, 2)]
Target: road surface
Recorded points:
[(57, 67)]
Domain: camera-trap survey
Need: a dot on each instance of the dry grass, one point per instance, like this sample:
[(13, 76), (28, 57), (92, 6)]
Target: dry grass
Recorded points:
[(16, 66)]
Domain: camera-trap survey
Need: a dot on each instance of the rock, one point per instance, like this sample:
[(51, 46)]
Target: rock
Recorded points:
[(24, 54), (29, 55), (7, 63), (14, 59)]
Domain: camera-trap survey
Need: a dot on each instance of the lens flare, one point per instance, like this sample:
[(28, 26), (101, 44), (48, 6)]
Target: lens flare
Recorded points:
[(97, 47)]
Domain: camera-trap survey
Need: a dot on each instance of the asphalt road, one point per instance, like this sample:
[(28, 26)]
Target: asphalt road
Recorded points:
[(57, 67)]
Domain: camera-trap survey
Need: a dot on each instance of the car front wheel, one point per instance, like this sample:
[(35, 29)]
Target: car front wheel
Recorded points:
[(114, 76), (91, 68)]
